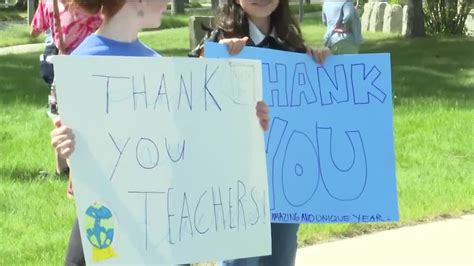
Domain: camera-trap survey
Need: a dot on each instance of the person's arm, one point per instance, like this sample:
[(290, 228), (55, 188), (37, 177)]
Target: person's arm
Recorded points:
[(348, 12), (39, 23)]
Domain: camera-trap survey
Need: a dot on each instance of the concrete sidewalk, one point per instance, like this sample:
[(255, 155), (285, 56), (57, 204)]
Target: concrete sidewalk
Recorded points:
[(19, 49), (449, 242)]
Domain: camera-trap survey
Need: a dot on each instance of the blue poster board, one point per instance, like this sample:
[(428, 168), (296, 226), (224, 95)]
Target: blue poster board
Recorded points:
[(329, 149)]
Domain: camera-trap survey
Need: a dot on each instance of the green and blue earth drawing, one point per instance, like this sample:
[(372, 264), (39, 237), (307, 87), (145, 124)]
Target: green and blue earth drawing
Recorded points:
[(99, 225)]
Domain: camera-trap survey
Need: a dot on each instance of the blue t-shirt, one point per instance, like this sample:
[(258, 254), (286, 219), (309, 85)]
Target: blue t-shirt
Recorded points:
[(99, 45)]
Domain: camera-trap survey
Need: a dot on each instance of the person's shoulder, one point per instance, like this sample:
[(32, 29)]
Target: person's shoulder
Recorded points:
[(92, 45), (148, 51)]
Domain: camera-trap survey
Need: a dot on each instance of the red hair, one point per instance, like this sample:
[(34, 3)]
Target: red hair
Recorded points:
[(108, 7)]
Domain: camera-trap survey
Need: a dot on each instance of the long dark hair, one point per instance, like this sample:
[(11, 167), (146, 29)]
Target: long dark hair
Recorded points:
[(234, 22)]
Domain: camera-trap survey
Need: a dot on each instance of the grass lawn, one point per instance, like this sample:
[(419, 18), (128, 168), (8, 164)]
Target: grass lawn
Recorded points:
[(9, 14), (433, 107), (17, 34)]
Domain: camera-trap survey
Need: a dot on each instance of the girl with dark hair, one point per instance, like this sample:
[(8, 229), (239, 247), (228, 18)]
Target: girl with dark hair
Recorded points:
[(270, 23), (266, 24)]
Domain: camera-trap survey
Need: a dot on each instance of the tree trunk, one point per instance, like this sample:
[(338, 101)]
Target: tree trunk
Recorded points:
[(215, 4), (415, 19), (21, 4), (177, 7), (301, 10), (31, 8)]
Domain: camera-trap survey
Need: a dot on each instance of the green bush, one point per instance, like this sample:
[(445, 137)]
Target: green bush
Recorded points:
[(187, 5), (171, 22), (446, 16), (193, 5)]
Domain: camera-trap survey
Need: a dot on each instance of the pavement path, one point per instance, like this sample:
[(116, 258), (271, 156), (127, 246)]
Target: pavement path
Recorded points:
[(449, 242)]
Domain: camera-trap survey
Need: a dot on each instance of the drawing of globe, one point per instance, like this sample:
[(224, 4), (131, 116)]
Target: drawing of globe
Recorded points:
[(99, 225)]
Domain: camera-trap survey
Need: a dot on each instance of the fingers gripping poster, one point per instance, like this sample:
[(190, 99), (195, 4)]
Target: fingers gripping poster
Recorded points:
[(330, 152), (169, 164)]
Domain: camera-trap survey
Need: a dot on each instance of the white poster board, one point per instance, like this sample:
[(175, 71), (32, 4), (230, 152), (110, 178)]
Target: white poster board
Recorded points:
[(169, 165)]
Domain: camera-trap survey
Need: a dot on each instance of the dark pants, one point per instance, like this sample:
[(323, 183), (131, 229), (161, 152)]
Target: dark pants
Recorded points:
[(284, 246), (75, 254), (46, 68)]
